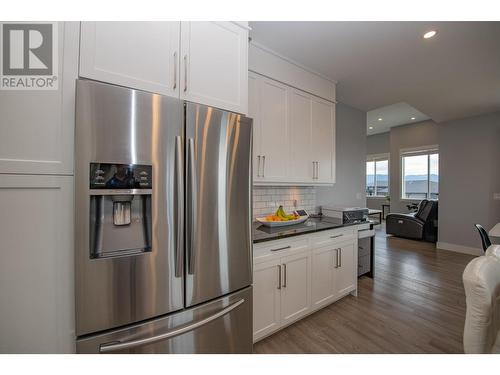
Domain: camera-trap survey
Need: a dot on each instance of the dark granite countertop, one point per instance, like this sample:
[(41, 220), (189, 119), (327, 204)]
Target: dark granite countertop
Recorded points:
[(262, 233)]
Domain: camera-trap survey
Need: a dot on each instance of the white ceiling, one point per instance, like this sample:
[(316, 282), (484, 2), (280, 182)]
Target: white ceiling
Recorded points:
[(453, 75), (383, 118)]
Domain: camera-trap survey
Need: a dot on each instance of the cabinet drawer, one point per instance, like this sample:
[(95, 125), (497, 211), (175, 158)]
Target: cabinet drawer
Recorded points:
[(332, 236), (263, 252)]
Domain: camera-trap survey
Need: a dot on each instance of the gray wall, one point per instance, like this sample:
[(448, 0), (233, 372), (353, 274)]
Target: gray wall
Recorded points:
[(378, 144), (350, 160), (469, 167)]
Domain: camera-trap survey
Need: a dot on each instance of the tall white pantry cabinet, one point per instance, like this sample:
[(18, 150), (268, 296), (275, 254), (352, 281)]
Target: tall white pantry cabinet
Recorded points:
[(36, 210), (205, 62)]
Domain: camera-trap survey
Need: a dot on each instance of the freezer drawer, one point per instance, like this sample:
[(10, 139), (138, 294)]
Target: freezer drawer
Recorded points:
[(220, 326)]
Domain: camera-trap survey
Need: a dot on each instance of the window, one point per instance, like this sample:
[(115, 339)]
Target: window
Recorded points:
[(377, 177), (420, 171)]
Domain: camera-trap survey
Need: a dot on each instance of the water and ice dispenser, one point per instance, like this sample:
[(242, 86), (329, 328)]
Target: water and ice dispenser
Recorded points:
[(120, 209)]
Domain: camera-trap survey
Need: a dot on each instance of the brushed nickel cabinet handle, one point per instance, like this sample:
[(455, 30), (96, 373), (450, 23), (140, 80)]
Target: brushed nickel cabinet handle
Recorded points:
[(185, 73), (340, 257), (337, 236), (336, 258), (263, 166), (175, 70), (258, 166), (281, 248), (284, 275), (279, 276)]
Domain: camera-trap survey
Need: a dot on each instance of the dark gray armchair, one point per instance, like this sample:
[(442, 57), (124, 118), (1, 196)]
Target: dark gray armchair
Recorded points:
[(421, 225)]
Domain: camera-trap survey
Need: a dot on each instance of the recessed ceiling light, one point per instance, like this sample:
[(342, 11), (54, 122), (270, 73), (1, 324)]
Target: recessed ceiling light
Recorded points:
[(430, 34), (380, 119), (370, 127), (413, 118)]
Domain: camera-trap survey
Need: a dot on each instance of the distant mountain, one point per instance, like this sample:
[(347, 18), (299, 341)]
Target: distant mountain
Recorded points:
[(383, 179)]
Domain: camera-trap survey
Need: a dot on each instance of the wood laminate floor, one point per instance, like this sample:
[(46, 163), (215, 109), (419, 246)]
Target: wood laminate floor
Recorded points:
[(415, 304)]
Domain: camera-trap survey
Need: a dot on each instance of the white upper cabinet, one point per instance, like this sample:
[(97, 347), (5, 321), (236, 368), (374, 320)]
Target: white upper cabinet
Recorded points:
[(300, 115), (323, 140), (254, 113), (37, 126), (267, 106), (202, 62), (214, 61), (294, 134), (140, 55)]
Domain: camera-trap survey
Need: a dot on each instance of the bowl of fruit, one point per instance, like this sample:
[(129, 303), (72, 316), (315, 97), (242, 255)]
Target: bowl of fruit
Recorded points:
[(281, 219)]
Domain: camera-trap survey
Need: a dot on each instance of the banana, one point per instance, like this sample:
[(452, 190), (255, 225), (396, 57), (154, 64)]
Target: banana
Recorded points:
[(282, 214)]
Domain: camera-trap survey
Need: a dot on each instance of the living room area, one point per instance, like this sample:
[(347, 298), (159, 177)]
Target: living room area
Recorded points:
[(453, 165)]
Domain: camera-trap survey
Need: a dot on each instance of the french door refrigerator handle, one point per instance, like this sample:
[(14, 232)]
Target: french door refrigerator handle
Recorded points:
[(114, 346), (179, 203), (192, 202)]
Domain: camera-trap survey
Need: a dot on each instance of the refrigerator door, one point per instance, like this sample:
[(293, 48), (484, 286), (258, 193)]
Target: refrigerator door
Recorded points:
[(128, 127), (218, 204), (220, 326)]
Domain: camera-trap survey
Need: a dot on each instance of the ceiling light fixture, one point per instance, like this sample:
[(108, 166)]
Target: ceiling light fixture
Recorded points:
[(370, 127), (413, 118), (380, 119), (430, 34)]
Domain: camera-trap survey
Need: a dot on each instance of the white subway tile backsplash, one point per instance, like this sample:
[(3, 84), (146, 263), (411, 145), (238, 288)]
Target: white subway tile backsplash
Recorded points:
[(267, 199)]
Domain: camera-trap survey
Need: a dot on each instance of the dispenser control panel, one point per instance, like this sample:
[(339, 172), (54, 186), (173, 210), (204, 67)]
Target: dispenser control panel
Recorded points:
[(120, 176)]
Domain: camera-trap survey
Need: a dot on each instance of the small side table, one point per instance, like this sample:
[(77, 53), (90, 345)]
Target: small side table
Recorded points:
[(383, 209), (376, 212)]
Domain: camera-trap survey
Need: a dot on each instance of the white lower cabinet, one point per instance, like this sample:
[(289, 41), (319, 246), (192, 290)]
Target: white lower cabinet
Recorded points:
[(323, 263), (345, 272), (294, 277), (295, 291), (36, 264), (266, 291)]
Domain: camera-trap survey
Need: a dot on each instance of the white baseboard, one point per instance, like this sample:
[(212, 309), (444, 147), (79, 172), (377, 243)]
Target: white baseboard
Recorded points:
[(459, 248)]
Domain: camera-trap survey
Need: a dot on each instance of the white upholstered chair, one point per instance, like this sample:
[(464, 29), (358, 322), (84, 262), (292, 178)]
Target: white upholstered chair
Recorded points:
[(482, 290)]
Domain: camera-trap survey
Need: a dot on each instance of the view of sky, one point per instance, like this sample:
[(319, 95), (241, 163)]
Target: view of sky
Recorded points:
[(417, 165)]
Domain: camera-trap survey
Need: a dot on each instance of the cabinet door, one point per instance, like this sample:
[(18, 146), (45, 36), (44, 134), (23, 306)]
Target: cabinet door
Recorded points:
[(139, 55), (323, 263), (254, 113), (36, 264), (214, 63), (295, 291), (323, 139), (266, 298), (300, 116), (346, 272), (37, 126), (274, 140)]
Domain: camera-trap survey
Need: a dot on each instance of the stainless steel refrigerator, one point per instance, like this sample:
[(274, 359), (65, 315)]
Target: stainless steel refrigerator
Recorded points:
[(163, 224)]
